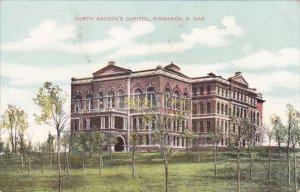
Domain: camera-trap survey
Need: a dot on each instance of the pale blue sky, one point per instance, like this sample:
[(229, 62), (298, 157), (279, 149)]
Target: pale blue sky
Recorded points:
[(261, 39)]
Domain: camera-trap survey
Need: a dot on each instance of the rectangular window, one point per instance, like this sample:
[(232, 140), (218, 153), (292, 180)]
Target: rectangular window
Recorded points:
[(140, 123), (134, 123), (208, 126)]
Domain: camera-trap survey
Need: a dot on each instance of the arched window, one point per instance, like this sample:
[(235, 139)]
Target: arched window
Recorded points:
[(222, 109), (89, 102), (237, 112), (101, 104), (151, 97), (226, 109), (184, 102), (111, 99), (257, 119), (176, 100), (167, 103), (208, 107), (138, 97), (77, 104), (218, 108), (121, 99), (245, 113)]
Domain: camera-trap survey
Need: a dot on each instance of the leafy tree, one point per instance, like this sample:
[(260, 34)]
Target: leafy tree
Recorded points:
[(110, 138), (189, 136), (14, 120), (279, 131), (51, 99), (77, 146), (292, 126), (50, 147), (99, 142)]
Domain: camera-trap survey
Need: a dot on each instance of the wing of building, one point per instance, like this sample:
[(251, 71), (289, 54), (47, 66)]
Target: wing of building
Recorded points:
[(102, 102)]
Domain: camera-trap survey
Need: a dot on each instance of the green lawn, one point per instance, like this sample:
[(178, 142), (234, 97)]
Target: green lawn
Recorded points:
[(185, 174)]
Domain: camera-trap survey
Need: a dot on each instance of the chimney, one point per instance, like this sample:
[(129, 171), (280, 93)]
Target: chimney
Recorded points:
[(238, 73), (111, 63)]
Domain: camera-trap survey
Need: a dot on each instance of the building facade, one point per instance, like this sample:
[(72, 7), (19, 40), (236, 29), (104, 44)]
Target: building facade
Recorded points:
[(105, 102)]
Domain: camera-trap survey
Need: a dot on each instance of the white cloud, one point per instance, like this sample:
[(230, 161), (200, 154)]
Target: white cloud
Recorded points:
[(47, 35), (268, 82), (264, 58), (50, 35), (211, 36)]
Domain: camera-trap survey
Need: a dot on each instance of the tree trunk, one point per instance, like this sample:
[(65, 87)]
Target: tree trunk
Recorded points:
[(288, 164), (100, 164), (29, 166), (12, 140), (49, 158), (250, 165), (15, 149), (215, 160), (269, 172), (58, 162), (166, 172), (198, 154), (82, 165), (22, 163), (295, 172), (238, 168), (67, 163), (133, 161), (43, 167), (110, 151)]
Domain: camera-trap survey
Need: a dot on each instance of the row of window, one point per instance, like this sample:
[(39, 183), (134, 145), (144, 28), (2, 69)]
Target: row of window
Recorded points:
[(138, 123), (236, 95), (96, 123), (139, 100)]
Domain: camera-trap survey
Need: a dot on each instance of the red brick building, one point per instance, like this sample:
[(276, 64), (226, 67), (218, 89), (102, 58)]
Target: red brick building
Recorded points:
[(101, 102)]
